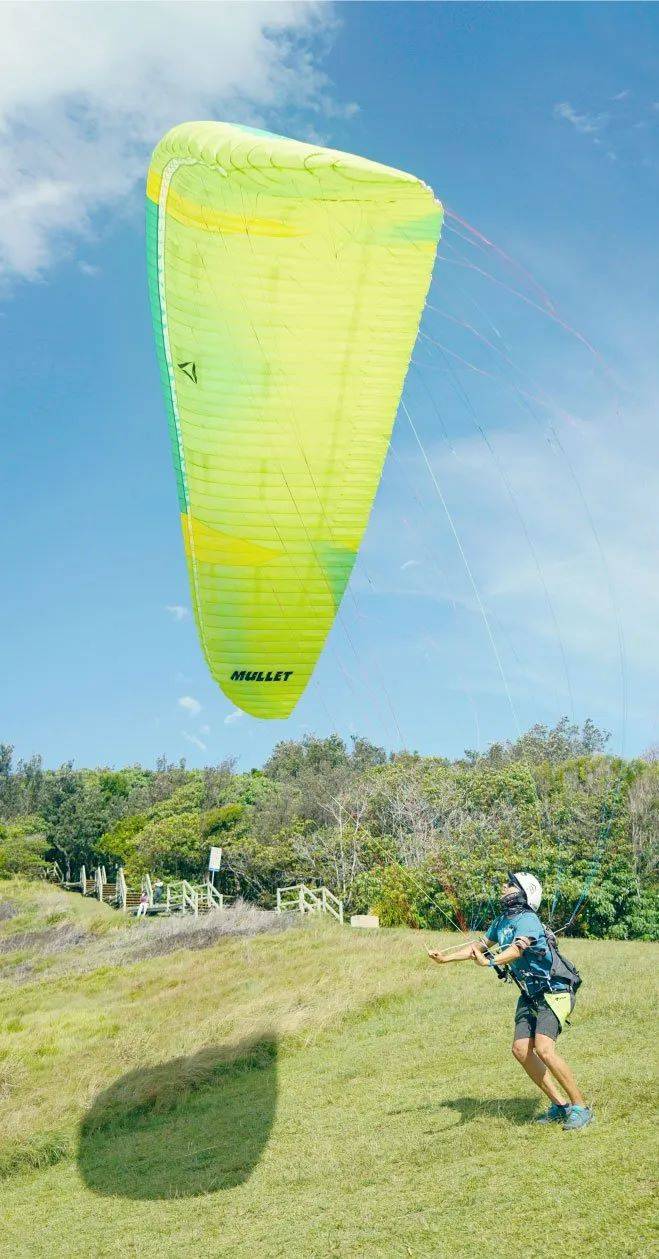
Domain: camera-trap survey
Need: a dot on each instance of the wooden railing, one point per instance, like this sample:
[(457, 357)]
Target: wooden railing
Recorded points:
[(298, 898), (210, 898), (173, 896), (176, 899), (331, 904), (122, 889), (178, 896), (190, 898)]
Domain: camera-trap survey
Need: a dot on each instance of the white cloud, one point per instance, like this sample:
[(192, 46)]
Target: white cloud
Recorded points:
[(88, 89), (88, 268), (190, 705), (585, 123), (177, 611), (204, 729), (621, 134), (410, 564), (192, 738), (232, 717)]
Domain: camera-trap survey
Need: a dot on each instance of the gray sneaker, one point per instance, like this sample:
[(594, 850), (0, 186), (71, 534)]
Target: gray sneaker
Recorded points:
[(555, 1114)]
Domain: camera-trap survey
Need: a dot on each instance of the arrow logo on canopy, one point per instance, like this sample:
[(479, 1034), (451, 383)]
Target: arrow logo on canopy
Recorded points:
[(190, 370)]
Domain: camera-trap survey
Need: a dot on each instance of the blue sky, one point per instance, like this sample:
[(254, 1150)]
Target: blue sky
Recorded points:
[(509, 572)]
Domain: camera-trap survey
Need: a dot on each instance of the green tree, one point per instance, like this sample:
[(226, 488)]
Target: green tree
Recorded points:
[(23, 848), (171, 847)]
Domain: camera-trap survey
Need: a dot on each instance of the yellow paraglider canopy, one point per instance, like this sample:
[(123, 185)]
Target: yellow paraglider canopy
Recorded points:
[(287, 283)]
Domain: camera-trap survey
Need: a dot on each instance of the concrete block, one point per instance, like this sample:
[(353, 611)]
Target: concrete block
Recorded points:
[(364, 920)]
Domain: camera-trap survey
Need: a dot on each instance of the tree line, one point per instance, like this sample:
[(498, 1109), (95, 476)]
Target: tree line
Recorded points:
[(421, 840)]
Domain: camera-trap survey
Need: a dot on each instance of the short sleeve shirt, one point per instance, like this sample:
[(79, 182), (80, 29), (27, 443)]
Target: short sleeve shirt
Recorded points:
[(533, 968)]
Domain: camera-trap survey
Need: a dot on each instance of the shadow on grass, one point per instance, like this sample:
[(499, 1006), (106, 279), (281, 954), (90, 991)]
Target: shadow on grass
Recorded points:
[(516, 1110), (182, 1128)]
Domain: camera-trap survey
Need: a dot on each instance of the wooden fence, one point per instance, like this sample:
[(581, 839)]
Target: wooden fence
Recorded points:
[(300, 899)]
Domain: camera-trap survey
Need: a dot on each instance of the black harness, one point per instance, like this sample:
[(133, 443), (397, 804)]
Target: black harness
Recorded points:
[(561, 968)]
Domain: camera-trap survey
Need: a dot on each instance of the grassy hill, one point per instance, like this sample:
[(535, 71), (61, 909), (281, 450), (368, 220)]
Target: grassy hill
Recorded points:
[(307, 1092)]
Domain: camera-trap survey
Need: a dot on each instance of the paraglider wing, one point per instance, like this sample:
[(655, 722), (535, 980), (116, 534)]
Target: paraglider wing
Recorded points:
[(287, 283)]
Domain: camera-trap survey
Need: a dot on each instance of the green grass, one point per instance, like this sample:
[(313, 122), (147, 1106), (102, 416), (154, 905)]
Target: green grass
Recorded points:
[(39, 905), (317, 1092)]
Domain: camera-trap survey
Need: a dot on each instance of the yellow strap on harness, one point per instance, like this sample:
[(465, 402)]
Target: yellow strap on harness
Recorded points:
[(560, 1003)]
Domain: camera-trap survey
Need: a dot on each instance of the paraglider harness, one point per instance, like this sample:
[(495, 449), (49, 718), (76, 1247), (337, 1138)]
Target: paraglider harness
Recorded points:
[(562, 969)]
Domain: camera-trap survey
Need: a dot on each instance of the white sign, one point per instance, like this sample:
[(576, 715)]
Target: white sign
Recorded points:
[(215, 859)]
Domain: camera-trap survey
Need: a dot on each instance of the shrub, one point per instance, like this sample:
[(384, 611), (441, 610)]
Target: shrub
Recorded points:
[(23, 848)]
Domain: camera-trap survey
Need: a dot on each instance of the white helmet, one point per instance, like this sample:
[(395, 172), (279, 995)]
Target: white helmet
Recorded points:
[(531, 887)]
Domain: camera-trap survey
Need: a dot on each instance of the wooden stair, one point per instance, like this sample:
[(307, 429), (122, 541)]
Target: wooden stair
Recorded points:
[(178, 896)]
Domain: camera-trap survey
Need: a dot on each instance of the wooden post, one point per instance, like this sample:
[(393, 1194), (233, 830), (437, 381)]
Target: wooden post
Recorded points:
[(122, 890)]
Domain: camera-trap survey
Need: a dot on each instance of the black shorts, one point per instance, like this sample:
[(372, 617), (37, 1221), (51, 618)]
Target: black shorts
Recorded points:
[(535, 1018)]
